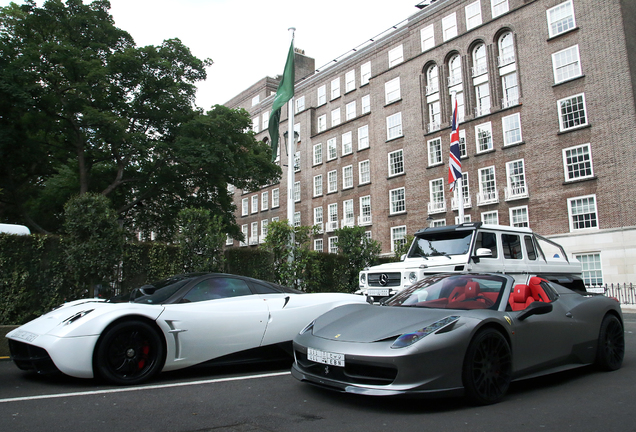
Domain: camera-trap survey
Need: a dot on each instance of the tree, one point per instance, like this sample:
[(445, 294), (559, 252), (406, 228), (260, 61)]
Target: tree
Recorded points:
[(291, 262), (93, 241), (201, 239), (83, 109), (359, 250)]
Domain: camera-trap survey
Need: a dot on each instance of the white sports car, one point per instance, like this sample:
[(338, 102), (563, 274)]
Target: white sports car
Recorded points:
[(171, 324)]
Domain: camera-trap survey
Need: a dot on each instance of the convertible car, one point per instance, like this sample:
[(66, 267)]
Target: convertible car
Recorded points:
[(168, 325), (459, 333)]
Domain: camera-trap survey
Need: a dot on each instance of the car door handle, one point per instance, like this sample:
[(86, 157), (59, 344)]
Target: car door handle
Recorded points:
[(569, 314)]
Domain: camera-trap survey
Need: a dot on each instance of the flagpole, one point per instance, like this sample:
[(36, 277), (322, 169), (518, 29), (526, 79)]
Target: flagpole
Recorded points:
[(291, 151)]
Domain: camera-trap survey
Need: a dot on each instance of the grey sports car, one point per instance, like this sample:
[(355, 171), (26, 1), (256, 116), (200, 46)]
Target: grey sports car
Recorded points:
[(452, 333)]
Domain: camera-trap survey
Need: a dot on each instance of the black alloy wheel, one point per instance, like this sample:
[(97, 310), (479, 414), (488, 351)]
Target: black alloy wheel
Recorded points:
[(487, 367), (611, 344), (129, 353)]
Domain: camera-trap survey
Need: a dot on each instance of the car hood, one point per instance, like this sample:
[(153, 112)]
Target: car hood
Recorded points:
[(360, 323)]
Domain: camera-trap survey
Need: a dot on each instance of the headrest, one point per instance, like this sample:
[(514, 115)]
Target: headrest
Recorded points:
[(472, 290), (521, 293), (535, 280)]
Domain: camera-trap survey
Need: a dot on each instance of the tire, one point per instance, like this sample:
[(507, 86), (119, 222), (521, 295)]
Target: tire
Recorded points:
[(128, 353), (611, 344), (487, 367)]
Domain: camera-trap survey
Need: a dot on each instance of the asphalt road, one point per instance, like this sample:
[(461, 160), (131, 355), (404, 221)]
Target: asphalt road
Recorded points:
[(263, 398)]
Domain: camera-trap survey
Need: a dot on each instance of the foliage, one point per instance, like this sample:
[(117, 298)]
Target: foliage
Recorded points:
[(252, 262), (358, 250), (93, 242), (83, 109), (143, 263), (403, 247), (201, 239)]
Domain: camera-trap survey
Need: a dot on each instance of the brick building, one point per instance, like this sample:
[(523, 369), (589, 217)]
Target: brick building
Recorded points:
[(547, 111)]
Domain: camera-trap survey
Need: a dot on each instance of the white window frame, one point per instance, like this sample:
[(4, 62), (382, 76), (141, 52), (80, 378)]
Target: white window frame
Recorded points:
[(348, 215), (347, 177), (563, 13), (449, 26), (299, 104), (297, 191), (317, 154), (297, 220), (462, 143), (519, 217), (318, 216), (254, 233), (394, 126), (350, 110), (566, 64), (489, 215), (510, 87), (583, 162), (364, 172), (332, 149), (335, 117), (396, 160), (427, 36), (499, 7), (592, 268), (365, 104), (392, 91), (482, 94), (318, 245), (334, 88), (347, 143), (333, 245), (398, 234), (321, 94), (484, 144), (509, 126), (265, 121), (322, 123), (256, 100), (265, 200), (245, 232), (488, 193), (585, 202), (473, 15), (365, 73), (318, 185), (275, 198), (297, 161), (516, 182), (245, 206), (396, 56), (332, 181), (363, 137), (256, 124), (365, 210), (350, 81), (437, 196), (397, 201), (264, 224), (560, 107), (434, 147), (254, 204)]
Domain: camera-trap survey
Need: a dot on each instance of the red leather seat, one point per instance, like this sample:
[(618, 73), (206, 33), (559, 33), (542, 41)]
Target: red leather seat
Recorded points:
[(520, 298), (537, 291), (472, 290)]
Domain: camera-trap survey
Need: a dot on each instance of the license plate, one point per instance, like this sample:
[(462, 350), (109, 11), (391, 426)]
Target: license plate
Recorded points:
[(25, 335), (378, 292), (325, 357)]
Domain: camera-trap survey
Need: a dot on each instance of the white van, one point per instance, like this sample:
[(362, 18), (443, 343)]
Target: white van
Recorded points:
[(473, 247), (14, 229)]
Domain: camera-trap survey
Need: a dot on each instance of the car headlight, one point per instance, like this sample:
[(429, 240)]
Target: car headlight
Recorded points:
[(412, 277), (308, 327), (363, 278), (408, 339), (75, 317)]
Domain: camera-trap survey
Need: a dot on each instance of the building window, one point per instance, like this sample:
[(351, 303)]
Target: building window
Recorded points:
[(335, 117), (365, 73), (296, 161), (255, 100), (333, 245), (332, 223), (396, 56), (465, 193), (473, 15), (297, 191), (392, 90), (228, 240), (297, 219), (265, 120), (264, 224), (366, 104), (482, 91), (332, 151), (318, 154), (350, 81), (397, 200), (428, 37), (498, 7), (394, 126), (449, 26), (455, 71), (577, 162), (462, 143), (396, 163), (490, 218), (435, 151), (275, 219), (244, 229), (459, 97), (365, 210), (347, 209), (572, 112), (510, 90), (566, 64), (350, 110), (582, 211), (483, 132), (318, 245), (487, 186), (347, 177), (300, 104), (506, 49), (275, 198), (363, 137), (511, 129), (245, 207), (318, 185), (322, 95), (519, 217), (516, 178), (335, 89), (437, 202), (592, 269), (254, 234), (255, 124), (347, 143), (432, 80), (318, 217), (434, 116), (265, 200), (398, 237), (332, 181), (561, 18), (254, 203), (322, 123), (480, 63), (364, 172)]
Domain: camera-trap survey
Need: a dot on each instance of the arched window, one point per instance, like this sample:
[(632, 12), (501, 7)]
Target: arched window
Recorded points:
[(506, 49), (432, 80), (480, 64), (454, 70)]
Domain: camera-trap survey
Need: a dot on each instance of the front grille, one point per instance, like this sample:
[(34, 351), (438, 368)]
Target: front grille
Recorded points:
[(353, 372), (31, 358), (392, 279)]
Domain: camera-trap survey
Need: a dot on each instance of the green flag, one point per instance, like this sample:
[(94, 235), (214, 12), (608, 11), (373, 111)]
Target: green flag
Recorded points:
[(284, 93)]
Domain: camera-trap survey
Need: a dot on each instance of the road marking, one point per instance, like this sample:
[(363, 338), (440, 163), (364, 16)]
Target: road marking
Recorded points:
[(150, 387)]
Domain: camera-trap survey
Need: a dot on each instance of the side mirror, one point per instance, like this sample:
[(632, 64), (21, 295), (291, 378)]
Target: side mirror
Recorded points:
[(403, 257), (535, 308), (484, 253)]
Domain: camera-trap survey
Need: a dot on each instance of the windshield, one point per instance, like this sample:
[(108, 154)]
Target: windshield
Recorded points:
[(441, 244), (453, 292), (159, 292)]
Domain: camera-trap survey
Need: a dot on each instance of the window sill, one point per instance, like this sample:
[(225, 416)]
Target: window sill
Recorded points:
[(435, 165), (580, 180), (573, 29), (517, 144), (393, 102), (395, 138), (568, 80), (396, 175), (398, 214), (492, 150), (576, 128)]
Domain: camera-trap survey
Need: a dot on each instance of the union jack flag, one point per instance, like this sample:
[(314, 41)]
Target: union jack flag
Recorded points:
[(454, 163)]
